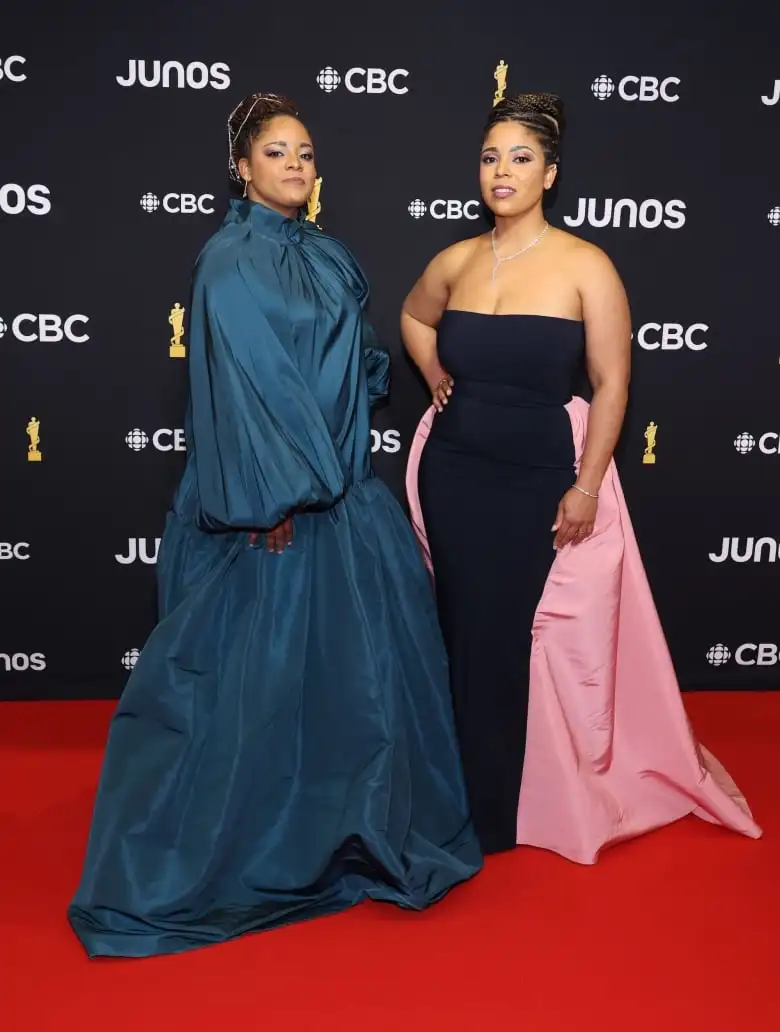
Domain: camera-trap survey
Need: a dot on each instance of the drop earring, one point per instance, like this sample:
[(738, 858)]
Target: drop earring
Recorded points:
[(246, 186)]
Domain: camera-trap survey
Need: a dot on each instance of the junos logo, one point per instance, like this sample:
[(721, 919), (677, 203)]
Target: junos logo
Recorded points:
[(163, 440), (654, 336), (770, 99), (142, 550), (9, 68), (749, 654), (637, 87), (21, 550), (179, 204), (768, 444), (745, 550), (15, 199), (197, 75), (47, 328), (440, 209), (388, 441), (649, 214), (18, 662), (364, 80)]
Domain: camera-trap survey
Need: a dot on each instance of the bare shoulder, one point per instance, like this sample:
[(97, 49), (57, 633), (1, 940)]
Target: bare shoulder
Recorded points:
[(449, 263), (428, 297), (602, 294), (585, 259)]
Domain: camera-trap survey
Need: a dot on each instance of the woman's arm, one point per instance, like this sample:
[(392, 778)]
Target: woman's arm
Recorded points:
[(608, 357), (263, 451), (420, 316)]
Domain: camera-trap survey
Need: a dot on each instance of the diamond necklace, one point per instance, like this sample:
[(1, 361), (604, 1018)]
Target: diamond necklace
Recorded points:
[(517, 254)]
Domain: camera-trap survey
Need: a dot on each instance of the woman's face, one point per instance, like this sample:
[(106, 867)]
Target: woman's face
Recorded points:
[(280, 168), (513, 174)]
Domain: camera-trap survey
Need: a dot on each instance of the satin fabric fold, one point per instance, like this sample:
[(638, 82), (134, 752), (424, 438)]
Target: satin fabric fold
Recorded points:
[(610, 753)]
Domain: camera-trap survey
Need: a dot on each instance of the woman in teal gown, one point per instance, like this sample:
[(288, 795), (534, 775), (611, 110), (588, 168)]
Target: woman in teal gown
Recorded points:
[(285, 745)]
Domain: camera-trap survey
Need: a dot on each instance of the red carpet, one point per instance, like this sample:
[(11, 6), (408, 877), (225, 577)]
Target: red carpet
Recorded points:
[(678, 930)]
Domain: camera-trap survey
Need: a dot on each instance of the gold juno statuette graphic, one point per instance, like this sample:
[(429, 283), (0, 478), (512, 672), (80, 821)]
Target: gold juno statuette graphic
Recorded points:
[(314, 206), (500, 75), (34, 433), (176, 319), (649, 458)]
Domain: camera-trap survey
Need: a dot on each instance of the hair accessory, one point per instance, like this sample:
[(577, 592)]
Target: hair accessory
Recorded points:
[(234, 173)]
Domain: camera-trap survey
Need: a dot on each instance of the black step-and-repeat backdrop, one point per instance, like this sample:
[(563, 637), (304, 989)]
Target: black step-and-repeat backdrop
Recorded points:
[(113, 173)]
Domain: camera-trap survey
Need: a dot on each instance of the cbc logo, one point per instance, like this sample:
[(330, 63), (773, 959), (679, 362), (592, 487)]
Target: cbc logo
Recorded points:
[(179, 204), (21, 550), (655, 336), (648, 214), (364, 80), (21, 661), (444, 209), (143, 550), (196, 75), (388, 441), (15, 199), (768, 444), (9, 68), (47, 328), (749, 654), (637, 87), (130, 658), (773, 216), (163, 440)]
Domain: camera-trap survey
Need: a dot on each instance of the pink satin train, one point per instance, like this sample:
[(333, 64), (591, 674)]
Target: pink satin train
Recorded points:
[(610, 752)]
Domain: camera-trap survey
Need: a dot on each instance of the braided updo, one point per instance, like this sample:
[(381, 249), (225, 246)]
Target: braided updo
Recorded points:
[(248, 120), (542, 113)]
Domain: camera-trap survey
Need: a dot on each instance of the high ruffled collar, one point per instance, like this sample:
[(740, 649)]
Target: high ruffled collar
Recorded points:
[(266, 222)]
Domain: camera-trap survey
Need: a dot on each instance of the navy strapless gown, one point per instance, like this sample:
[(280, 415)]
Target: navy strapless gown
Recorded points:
[(285, 746), (497, 462)]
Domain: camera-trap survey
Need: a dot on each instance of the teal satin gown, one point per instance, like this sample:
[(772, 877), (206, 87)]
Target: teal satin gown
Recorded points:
[(285, 745)]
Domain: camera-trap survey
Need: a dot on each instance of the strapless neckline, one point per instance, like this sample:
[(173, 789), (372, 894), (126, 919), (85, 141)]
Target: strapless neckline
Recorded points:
[(512, 315)]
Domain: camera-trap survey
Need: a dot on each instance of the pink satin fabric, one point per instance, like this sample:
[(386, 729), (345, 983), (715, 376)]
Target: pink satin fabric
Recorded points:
[(610, 753)]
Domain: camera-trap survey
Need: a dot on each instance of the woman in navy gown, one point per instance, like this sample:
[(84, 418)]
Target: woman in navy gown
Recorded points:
[(285, 745), (544, 604)]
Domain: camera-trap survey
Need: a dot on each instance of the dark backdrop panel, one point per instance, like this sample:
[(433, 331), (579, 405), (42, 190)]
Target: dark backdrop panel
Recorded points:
[(661, 109)]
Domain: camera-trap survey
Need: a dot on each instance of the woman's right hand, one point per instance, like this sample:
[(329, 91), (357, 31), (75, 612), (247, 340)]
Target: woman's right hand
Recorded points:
[(442, 392), (279, 537), (276, 539)]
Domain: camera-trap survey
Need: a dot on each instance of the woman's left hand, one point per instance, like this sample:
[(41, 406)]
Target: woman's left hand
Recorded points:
[(575, 518)]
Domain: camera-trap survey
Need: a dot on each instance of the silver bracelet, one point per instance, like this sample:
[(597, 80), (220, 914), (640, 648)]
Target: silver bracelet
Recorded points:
[(583, 491)]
